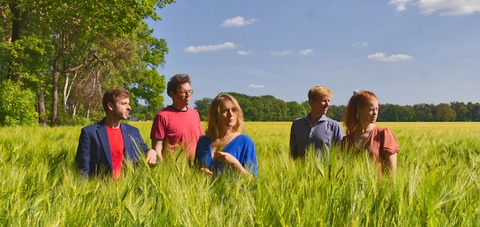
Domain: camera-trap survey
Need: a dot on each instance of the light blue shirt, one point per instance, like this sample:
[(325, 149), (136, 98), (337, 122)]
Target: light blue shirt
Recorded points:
[(322, 133)]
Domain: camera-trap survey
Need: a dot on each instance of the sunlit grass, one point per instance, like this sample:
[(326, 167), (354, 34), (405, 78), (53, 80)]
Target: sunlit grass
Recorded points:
[(437, 184)]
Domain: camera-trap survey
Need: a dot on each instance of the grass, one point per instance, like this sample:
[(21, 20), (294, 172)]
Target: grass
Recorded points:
[(437, 184)]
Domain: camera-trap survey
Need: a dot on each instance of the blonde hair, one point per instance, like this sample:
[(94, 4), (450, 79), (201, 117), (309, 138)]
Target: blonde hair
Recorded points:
[(319, 92), (359, 99), (213, 125)]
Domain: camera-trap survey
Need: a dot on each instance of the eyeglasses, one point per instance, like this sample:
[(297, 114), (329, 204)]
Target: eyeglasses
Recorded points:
[(185, 93)]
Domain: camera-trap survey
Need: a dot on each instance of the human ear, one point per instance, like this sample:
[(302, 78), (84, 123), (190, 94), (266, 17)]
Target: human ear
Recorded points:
[(110, 105)]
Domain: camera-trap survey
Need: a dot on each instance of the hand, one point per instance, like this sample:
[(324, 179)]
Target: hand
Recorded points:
[(226, 158), (152, 157), (207, 171)]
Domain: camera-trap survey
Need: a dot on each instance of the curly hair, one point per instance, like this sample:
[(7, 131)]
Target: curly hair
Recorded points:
[(176, 81)]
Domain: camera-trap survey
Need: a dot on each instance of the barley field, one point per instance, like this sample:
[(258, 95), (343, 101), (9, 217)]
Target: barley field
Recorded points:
[(437, 184)]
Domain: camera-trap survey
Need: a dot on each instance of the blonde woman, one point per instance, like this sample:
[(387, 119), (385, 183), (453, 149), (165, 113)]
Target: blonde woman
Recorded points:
[(224, 146), (363, 135)]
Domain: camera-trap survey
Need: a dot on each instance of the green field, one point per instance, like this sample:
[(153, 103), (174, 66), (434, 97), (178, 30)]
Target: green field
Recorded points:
[(437, 184)]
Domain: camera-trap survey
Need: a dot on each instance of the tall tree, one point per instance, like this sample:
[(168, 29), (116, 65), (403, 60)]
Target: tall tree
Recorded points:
[(72, 42)]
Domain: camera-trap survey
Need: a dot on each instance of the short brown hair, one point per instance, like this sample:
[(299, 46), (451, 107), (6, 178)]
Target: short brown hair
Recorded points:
[(113, 95), (176, 81)]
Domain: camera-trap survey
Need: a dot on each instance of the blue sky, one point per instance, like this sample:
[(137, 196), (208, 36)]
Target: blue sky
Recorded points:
[(406, 51)]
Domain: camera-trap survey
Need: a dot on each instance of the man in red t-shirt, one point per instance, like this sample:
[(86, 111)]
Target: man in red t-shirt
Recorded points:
[(103, 146), (177, 128)]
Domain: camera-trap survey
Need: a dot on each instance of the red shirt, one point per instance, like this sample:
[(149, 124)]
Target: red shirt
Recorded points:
[(116, 149), (178, 129)]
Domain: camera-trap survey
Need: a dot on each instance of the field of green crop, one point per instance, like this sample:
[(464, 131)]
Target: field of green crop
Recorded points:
[(437, 184)]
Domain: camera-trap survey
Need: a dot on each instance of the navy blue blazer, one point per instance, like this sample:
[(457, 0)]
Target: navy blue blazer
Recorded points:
[(93, 152)]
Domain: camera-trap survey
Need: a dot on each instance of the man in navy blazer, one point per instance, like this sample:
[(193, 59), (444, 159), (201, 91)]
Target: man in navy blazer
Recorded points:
[(103, 146)]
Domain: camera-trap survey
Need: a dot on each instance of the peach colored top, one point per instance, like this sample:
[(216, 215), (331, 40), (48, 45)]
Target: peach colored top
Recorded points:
[(380, 143)]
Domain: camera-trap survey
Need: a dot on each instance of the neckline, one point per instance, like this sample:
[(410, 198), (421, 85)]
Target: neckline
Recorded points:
[(186, 108)]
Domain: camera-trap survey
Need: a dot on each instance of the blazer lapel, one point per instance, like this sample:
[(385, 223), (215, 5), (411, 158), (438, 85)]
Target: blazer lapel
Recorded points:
[(102, 134)]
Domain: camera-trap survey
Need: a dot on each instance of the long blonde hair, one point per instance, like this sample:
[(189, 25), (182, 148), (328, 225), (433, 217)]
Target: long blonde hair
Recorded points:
[(213, 125), (359, 100)]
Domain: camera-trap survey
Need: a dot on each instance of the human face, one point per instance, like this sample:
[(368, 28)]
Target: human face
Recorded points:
[(320, 105), (121, 108), (228, 114), (369, 113), (182, 96)]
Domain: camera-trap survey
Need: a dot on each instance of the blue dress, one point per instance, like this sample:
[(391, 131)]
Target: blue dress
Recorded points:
[(241, 147)]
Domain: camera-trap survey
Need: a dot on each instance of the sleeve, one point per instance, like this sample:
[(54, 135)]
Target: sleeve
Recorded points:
[(200, 129), (83, 153), (338, 134), (390, 143), (158, 131), (250, 162), (140, 140), (293, 142), (199, 157)]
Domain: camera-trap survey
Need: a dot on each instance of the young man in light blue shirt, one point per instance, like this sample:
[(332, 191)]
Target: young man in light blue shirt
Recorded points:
[(316, 130)]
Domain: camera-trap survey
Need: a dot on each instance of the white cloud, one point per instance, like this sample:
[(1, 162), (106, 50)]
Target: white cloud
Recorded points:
[(305, 52), (391, 58), (244, 52), (443, 7), (281, 53), (256, 86), (360, 44), (238, 22), (401, 5), (206, 48)]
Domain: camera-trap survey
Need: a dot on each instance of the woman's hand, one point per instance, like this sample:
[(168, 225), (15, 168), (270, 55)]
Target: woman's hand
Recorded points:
[(206, 171), (227, 158)]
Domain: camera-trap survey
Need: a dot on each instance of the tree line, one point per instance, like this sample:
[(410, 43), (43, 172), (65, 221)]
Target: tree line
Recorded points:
[(269, 108)]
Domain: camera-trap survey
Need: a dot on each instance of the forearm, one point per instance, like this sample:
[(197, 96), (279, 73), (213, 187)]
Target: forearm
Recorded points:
[(242, 170), (393, 162), (158, 147)]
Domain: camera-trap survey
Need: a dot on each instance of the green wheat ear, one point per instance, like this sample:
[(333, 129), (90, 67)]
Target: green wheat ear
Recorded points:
[(219, 148)]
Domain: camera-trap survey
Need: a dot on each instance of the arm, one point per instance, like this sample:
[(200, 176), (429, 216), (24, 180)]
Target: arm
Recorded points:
[(393, 162), (158, 148), (151, 156), (83, 153), (227, 158), (338, 134), (293, 143)]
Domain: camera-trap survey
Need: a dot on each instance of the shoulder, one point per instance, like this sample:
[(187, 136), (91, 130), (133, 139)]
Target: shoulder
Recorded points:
[(204, 140), (165, 111), (93, 127), (332, 122), (383, 133), (382, 130), (192, 111), (245, 138), (129, 127), (298, 121), (387, 132)]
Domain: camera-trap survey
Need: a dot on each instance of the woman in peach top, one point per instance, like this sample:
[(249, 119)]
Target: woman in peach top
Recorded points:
[(362, 134)]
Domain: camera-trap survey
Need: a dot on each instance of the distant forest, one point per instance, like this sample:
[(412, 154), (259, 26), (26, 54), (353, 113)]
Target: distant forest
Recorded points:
[(269, 108)]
